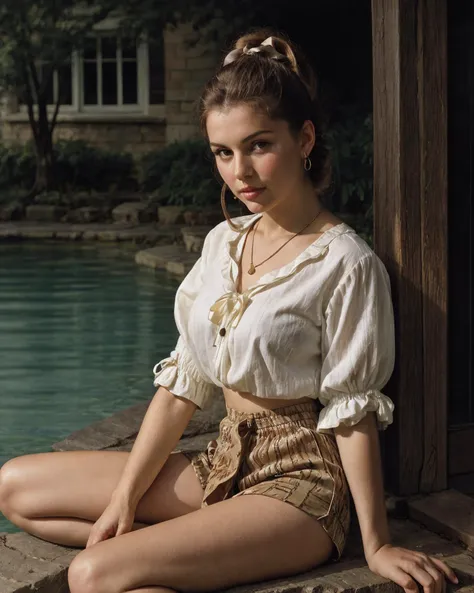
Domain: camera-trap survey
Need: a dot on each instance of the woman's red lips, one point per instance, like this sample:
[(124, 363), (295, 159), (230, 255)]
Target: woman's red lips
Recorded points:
[(251, 193)]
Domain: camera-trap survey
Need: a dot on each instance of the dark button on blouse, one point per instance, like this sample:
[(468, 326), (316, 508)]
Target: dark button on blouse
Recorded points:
[(222, 331)]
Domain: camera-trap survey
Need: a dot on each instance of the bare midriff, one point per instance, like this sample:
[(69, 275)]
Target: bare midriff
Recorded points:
[(246, 402)]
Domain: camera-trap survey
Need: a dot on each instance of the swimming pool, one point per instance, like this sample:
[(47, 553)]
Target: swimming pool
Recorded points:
[(80, 331)]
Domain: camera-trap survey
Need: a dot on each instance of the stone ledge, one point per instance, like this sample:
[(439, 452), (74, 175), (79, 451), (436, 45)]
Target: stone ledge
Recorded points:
[(118, 431), (450, 513), (30, 564), (172, 258), (100, 232)]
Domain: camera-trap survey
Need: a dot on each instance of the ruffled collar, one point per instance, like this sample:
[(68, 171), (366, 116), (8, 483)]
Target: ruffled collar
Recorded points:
[(236, 241), (230, 307)]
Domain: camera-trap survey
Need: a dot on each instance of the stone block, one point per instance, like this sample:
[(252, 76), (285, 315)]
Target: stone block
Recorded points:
[(106, 434), (178, 268), (45, 213), (170, 214), (14, 210), (13, 566), (133, 212), (182, 119), (181, 95), (33, 233), (188, 106), (195, 85), (173, 62), (193, 238), (31, 547), (69, 235), (208, 62), (86, 214), (191, 51), (172, 258), (450, 513), (176, 132)]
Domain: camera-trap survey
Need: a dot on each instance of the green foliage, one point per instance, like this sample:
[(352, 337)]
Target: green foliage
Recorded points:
[(351, 144), (82, 166), (17, 167), (79, 166), (42, 31), (183, 172), (155, 165)]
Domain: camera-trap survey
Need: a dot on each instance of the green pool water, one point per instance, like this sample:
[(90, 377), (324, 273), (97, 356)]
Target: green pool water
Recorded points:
[(80, 331)]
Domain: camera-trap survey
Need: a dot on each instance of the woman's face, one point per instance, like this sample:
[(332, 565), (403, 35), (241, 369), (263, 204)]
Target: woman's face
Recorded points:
[(257, 157)]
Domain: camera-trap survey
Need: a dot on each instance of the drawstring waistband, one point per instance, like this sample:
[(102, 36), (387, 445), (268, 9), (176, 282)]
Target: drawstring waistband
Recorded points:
[(295, 413)]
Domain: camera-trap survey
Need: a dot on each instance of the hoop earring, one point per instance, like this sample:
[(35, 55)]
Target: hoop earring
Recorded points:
[(224, 209), (307, 164)]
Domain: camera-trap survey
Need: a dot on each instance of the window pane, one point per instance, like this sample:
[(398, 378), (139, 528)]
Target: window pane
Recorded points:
[(90, 83), (129, 83), (109, 83), (129, 49), (65, 84), (109, 48), (90, 49)]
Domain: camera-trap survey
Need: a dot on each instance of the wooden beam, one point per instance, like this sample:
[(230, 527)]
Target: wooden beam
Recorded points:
[(433, 90), (405, 227)]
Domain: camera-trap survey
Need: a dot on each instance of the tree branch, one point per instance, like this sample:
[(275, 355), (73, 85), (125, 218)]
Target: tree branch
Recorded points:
[(54, 119), (29, 101)]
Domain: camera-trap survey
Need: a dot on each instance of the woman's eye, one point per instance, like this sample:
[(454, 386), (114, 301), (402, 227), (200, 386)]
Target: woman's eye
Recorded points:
[(222, 152), (260, 146)]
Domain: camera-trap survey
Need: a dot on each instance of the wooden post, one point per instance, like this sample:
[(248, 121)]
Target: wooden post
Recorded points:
[(410, 229)]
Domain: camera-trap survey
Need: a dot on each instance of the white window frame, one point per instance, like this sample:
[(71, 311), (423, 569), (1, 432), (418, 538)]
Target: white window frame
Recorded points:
[(142, 82), (78, 107)]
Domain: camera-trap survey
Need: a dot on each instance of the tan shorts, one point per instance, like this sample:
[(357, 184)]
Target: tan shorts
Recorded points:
[(278, 453)]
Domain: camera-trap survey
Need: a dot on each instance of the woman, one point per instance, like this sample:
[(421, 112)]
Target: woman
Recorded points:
[(288, 312)]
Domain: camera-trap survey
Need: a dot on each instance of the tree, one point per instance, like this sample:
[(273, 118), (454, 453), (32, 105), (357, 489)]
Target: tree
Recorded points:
[(36, 39)]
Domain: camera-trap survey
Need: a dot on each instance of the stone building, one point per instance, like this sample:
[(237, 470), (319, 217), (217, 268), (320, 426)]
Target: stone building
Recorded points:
[(124, 95)]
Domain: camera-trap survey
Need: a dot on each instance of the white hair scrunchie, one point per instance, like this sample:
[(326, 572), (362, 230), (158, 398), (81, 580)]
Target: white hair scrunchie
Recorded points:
[(266, 47)]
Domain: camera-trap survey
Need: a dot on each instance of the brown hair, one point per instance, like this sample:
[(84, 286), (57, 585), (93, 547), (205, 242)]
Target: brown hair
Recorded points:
[(284, 88)]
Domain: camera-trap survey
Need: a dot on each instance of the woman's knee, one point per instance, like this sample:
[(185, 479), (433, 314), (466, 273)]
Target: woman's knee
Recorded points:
[(87, 574), (10, 480), (13, 487)]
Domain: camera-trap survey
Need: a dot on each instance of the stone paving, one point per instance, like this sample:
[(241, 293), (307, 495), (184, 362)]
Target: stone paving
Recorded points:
[(28, 564), (173, 248)]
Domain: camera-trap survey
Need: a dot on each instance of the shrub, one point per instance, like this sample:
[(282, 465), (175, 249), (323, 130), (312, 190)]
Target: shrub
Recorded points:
[(351, 144), (17, 167), (80, 166), (183, 172)]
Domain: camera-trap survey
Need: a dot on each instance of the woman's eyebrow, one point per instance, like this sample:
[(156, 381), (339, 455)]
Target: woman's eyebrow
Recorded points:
[(245, 139)]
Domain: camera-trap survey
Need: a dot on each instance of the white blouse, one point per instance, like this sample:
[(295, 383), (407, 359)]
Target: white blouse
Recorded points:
[(320, 326)]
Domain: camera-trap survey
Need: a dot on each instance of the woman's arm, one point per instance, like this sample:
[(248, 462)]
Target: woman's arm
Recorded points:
[(360, 455), (164, 423)]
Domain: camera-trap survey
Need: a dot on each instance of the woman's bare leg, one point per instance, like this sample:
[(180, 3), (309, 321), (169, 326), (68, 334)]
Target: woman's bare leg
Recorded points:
[(58, 496), (241, 540)]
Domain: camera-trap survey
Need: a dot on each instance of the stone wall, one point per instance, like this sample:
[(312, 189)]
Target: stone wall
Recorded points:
[(136, 137), (187, 70)]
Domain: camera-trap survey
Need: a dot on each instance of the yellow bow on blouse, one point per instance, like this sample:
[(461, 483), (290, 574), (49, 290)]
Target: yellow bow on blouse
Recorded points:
[(229, 307)]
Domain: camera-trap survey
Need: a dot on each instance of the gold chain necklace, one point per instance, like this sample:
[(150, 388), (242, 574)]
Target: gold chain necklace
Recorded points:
[(253, 266)]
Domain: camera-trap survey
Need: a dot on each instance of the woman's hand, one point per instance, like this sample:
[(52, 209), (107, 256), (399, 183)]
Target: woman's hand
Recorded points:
[(408, 569), (116, 519)]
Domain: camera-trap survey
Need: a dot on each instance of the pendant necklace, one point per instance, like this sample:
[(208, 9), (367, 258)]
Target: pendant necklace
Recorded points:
[(253, 266)]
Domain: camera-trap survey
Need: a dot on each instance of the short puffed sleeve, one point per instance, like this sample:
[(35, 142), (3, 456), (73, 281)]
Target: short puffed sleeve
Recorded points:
[(179, 373), (358, 348)]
